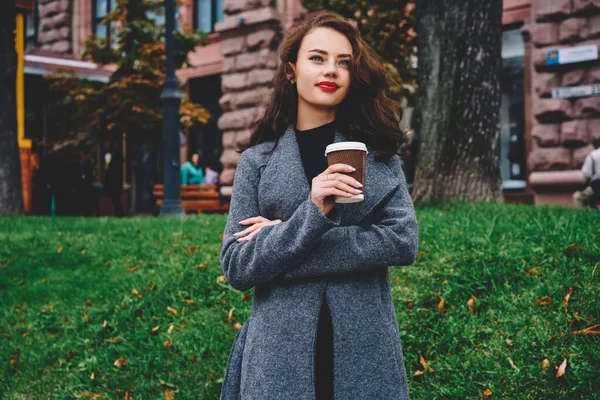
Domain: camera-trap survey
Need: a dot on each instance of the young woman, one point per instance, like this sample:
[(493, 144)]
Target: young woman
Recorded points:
[(323, 324)]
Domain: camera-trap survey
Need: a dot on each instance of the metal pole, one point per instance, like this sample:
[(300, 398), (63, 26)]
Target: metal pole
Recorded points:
[(172, 205)]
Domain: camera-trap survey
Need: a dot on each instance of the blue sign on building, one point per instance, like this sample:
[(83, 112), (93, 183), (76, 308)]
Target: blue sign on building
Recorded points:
[(552, 57)]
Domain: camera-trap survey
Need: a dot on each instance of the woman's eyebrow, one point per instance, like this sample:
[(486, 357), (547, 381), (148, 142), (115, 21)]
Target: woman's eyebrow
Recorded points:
[(326, 53)]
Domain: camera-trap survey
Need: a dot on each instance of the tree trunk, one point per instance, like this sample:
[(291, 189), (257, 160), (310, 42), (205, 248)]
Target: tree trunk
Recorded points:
[(11, 197), (458, 104)]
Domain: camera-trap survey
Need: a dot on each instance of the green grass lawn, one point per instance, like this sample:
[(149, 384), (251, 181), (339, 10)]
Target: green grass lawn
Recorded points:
[(78, 295)]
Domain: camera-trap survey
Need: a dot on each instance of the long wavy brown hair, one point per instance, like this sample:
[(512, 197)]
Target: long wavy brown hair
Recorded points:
[(366, 114)]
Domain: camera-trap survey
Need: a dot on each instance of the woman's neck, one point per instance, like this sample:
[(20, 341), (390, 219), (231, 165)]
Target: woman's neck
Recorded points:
[(310, 117)]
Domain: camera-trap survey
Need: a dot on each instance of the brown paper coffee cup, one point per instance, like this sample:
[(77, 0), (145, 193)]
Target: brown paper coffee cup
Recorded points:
[(354, 154)]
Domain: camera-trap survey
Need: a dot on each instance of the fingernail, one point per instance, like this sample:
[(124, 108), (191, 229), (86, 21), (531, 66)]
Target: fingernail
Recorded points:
[(359, 184), (357, 191), (352, 168)]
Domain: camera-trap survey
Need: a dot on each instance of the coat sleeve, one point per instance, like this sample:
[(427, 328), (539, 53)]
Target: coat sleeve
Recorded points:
[(184, 174), (392, 240), (274, 247)]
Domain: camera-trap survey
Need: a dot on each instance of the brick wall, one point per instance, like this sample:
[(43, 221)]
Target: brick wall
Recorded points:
[(250, 35), (55, 26), (564, 130)]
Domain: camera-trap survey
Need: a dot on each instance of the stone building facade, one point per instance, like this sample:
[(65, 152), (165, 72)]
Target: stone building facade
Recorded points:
[(544, 140), (564, 131)]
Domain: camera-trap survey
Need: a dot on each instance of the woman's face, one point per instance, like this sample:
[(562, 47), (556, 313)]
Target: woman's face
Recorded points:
[(322, 69)]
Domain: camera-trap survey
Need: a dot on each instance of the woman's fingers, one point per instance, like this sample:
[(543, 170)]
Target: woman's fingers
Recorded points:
[(341, 186), (253, 220)]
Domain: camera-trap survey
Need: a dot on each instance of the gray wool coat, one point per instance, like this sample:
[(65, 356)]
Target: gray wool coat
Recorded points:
[(292, 265)]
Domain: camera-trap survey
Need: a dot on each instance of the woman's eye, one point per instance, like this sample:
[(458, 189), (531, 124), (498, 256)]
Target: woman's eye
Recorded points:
[(347, 62), (318, 57)]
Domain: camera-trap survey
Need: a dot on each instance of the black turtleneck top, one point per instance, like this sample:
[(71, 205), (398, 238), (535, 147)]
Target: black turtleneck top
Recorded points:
[(312, 144)]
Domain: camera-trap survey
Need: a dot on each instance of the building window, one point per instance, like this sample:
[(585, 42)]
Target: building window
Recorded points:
[(206, 14), (512, 111), (100, 9), (31, 21)]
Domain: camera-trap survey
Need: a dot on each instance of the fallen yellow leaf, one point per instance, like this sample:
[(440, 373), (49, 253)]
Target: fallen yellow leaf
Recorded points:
[(471, 304), (237, 326), (221, 279), (155, 329), (169, 395), (190, 301), (201, 266), (59, 251), (592, 330), (562, 369), (91, 395), (567, 297), (418, 372), (486, 393), (170, 329), (120, 362), (425, 365), (168, 343), (172, 310), (114, 341), (230, 317), (441, 305), (136, 293), (132, 269), (545, 364), (544, 301)]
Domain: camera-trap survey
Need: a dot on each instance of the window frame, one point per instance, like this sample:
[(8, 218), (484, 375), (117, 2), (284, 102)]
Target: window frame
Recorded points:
[(31, 40), (214, 4), (97, 20)]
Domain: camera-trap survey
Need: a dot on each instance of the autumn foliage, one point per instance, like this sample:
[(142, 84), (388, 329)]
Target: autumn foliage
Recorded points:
[(130, 101)]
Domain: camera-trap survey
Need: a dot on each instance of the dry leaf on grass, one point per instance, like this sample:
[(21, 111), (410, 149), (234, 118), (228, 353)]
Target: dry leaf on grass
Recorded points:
[(114, 341), (425, 365), (562, 369), (150, 288), (531, 271), (172, 310), (486, 393), (93, 375), (88, 303), (168, 343), (89, 395), (418, 372), (190, 301), (136, 293), (237, 326), (59, 251), (120, 362), (471, 304), (545, 365), (132, 269), (201, 266), (85, 316), (544, 301), (409, 304), (567, 297), (155, 329), (221, 279), (230, 317), (169, 394), (592, 330), (441, 305), (170, 330)]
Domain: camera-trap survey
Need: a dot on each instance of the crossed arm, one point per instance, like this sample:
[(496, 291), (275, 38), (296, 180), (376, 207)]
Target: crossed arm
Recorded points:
[(310, 244)]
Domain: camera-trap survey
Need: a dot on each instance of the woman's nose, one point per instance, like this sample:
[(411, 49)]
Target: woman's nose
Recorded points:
[(330, 69)]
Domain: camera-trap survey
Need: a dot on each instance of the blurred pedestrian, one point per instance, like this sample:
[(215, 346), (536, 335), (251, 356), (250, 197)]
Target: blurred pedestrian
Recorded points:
[(590, 196), (191, 173), (211, 177), (113, 181)]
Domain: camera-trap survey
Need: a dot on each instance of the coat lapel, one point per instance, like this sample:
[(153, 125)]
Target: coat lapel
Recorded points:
[(284, 186)]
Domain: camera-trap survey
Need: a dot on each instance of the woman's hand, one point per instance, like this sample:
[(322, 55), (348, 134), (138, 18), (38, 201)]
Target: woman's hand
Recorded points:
[(333, 182), (257, 224)]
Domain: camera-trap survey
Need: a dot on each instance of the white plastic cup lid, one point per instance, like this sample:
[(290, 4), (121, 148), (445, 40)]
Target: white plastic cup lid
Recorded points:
[(346, 146)]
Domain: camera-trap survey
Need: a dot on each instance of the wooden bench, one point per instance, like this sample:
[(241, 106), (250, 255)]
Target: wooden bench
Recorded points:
[(195, 198)]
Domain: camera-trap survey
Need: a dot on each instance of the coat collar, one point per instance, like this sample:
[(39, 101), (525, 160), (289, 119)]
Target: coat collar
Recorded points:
[(288, 185)]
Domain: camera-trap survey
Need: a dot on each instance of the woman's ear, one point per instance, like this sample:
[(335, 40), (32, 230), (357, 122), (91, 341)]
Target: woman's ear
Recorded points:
[(290, 72)]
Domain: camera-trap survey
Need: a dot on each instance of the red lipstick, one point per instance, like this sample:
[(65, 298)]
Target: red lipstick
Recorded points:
[(328, 86)]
